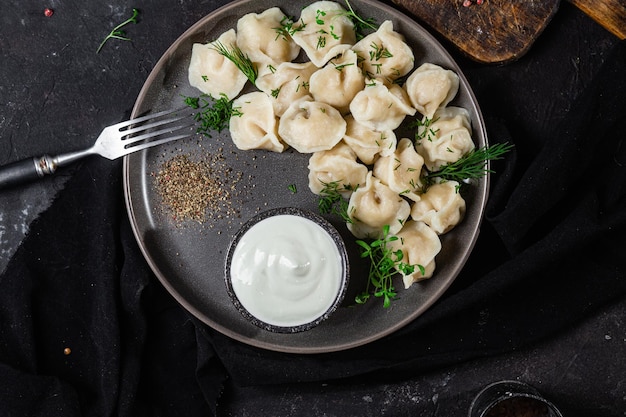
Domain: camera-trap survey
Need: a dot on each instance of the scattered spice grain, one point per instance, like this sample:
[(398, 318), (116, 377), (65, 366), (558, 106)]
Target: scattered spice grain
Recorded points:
[(196, 189)]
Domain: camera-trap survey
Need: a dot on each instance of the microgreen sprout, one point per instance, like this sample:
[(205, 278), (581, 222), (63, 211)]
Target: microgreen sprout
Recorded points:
[(117, 32), (385, 263), (319, 14)]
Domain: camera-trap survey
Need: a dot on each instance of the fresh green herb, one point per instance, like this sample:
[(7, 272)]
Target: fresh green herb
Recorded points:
[(332, 202), (292, 188), (473, 165), (424, 130), (287, 28), (193, 102), (378, 52), (321, 42), (241, 60), (303, 84), (360, 24), (117, 32), (340, 67), (318, 17), (275, 92), (385, 263), (213, 114)]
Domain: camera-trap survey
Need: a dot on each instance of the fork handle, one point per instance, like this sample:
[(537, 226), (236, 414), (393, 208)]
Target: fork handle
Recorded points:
[(26, 170)]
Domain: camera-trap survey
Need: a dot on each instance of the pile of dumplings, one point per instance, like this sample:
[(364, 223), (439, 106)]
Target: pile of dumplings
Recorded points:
[(343, 106)]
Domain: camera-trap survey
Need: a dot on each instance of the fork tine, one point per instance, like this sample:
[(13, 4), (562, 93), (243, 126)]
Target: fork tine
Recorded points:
[(161, 141), (150, 116), (141, 128), (185, 124)]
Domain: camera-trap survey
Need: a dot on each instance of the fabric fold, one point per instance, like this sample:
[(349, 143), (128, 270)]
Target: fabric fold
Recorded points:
[(86, 327)]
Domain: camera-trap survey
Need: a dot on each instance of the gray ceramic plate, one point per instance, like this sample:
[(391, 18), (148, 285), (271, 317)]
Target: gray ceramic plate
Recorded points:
[(188, 258)]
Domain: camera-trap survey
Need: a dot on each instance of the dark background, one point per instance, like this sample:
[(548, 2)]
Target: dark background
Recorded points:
[(551, 308)]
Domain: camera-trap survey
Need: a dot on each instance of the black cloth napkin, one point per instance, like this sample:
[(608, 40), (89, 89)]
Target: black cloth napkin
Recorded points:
[(85, 328)]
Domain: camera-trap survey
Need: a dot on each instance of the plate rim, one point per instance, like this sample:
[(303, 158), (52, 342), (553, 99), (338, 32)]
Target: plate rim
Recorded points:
[(483, 196)]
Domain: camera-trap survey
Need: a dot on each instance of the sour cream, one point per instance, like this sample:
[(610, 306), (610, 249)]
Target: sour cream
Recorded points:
[(286, 270)]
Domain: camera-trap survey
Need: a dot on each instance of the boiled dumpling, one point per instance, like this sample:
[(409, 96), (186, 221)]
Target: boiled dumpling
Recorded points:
[(430, 87), (368, 144), (380, 107), (384, 54), (441, 207), (256, 126), (401, 170), (374, 206), (257, 38), (310, 126), (211, 72), (446, 138), (286, 84), (337, 165), (419, 245), (324, 31), (338, 82)]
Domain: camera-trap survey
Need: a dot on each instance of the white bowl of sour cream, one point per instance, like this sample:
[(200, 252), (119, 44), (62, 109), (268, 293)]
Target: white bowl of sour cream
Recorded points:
[(287, 270)]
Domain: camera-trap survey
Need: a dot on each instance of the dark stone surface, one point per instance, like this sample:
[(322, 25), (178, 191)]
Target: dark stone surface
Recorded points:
[(56, 94)]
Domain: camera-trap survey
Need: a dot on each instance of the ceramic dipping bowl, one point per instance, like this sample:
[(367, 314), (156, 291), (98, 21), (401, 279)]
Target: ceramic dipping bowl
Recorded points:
[(287, 270)]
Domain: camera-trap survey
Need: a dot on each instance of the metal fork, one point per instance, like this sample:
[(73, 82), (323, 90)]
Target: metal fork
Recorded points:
[(115, 141)]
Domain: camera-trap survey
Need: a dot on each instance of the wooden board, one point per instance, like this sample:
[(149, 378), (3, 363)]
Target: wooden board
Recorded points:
[(495, 31), (499, 31), (609, 13)]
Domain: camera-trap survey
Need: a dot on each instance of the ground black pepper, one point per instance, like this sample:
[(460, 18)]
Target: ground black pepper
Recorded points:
[(197, 189)]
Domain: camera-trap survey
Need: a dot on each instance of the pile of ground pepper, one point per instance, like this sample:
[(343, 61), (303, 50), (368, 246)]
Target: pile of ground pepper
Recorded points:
[(196, 189)]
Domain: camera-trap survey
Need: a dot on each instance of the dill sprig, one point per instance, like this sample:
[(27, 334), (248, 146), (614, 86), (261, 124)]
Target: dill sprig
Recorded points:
[(239, 58), (331, 200), (214, 114), (117, 32), (472, 165), (360, 24), (385, 263)]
